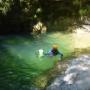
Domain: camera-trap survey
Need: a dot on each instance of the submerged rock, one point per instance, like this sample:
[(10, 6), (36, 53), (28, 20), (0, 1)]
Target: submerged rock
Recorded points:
[(76, 77)]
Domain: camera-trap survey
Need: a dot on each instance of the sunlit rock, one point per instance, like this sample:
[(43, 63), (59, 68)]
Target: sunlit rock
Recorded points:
[(76, 77), (39, 29)]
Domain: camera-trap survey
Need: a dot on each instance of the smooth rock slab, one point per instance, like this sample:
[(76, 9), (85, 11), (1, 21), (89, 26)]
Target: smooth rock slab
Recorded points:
[(77, 76)]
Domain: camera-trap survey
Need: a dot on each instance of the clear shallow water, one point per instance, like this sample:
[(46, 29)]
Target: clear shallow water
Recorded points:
[(19, 61)]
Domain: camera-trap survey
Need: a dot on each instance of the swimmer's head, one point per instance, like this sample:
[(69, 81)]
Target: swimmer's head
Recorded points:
[(55, 46)]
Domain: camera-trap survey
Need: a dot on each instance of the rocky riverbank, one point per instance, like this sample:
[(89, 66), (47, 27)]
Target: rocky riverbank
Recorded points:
[(76, 77)]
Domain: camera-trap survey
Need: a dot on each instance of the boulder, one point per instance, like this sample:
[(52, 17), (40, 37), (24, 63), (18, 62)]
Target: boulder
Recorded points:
[(76, 77)]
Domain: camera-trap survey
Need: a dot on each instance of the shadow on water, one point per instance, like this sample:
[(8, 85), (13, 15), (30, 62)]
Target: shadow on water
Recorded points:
[(20, 66), (15, 74), (19, 73)]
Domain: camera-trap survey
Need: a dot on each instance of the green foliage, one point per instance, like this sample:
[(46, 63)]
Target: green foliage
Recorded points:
[(88, 10), (83, 12), (23, 14), (5, 6), (76, 2)]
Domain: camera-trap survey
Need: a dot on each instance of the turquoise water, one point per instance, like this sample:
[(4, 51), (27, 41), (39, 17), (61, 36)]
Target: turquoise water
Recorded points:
[(19, 63)]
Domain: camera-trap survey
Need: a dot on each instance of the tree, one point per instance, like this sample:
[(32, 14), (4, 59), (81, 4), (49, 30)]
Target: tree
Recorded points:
[(21, 15)]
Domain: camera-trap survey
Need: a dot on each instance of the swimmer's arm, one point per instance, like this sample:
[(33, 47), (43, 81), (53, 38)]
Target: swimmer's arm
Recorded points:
[(60, 53)]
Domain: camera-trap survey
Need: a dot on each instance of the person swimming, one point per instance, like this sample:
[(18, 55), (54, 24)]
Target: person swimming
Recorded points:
[(54, 51)]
